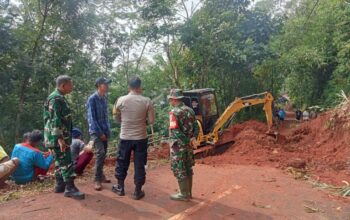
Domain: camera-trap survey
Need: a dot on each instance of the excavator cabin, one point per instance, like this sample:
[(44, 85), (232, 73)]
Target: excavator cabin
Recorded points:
[(204, 104)]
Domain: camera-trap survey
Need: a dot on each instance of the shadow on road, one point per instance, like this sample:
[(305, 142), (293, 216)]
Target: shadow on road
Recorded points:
[(116, 207)]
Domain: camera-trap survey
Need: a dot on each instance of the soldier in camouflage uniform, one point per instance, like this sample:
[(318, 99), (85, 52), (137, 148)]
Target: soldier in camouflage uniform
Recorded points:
[(183, 131), (58, 137)]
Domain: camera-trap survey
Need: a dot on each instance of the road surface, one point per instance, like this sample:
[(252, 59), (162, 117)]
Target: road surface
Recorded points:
[(224, 192)]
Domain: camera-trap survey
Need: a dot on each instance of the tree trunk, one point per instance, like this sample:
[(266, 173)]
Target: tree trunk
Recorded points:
[(140, 58), (27, 77)]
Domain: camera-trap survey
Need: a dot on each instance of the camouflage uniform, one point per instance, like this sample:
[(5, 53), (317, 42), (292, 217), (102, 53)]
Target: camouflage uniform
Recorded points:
[(183, 127), (58, 124)]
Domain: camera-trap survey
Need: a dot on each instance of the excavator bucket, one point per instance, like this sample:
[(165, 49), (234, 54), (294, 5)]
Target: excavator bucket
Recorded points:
[(210, 149), (272, 133)]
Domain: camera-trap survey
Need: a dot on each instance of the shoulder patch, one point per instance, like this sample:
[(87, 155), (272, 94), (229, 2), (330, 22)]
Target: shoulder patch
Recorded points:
[(173, 121)]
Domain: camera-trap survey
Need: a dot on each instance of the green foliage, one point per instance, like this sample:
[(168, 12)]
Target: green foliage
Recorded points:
[(226, 41), (307, 54), (297, 47)]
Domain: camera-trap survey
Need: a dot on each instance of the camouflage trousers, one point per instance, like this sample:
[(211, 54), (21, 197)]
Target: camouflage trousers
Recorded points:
[(63, 164), (181, 160)]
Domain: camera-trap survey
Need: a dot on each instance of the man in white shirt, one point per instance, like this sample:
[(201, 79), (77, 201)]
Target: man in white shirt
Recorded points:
[(306, 115), (134, 112)]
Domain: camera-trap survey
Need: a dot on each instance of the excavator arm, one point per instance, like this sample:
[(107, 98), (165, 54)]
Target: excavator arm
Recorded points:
[(239, 103)]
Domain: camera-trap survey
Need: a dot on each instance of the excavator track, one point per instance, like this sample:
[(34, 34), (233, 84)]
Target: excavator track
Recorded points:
[(211, 150)]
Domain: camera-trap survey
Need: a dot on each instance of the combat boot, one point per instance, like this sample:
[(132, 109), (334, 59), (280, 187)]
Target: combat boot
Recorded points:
[(139, 193), (60, 185), (73, 192), (119, 188), (184, 193)]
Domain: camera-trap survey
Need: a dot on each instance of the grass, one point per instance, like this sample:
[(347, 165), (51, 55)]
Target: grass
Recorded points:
[(13, 191), (340, 114), (298, 173), (343, 191)]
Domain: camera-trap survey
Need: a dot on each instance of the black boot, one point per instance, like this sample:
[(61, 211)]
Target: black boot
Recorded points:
[(119, 188), (139, 193), (72, 191), (60, 185)]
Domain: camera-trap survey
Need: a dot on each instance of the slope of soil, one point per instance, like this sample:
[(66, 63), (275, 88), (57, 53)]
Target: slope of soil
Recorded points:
[(318, 146)]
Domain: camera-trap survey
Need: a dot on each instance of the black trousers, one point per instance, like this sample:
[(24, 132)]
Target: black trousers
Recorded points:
[(139, 147)]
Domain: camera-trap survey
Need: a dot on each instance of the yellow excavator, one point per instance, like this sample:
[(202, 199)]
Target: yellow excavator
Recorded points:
[(204, 104)]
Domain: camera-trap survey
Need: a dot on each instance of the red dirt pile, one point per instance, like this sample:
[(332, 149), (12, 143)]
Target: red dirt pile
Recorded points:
[(160, 152), (320, 146)]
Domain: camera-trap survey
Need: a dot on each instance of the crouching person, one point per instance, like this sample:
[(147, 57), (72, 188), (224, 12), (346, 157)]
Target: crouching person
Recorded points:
[(183, 130), (33, 161), (81, 155), (7, 166)]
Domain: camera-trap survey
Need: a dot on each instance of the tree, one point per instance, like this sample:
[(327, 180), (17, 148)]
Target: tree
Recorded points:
[(304, 54)]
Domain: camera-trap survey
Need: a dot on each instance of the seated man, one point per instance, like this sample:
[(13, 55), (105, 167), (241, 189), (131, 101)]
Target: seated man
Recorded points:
[(33, 161), (81, 155), (7, 167), (195, 106)]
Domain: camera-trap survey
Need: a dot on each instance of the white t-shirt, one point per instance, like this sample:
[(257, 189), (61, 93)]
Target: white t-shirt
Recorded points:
[(306, 115)]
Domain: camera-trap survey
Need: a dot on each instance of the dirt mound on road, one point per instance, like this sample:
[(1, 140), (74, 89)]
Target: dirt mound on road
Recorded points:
[(160, 152), (320, 146)]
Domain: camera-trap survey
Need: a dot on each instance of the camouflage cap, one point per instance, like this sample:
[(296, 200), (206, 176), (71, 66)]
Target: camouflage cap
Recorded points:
[(175, 94)]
